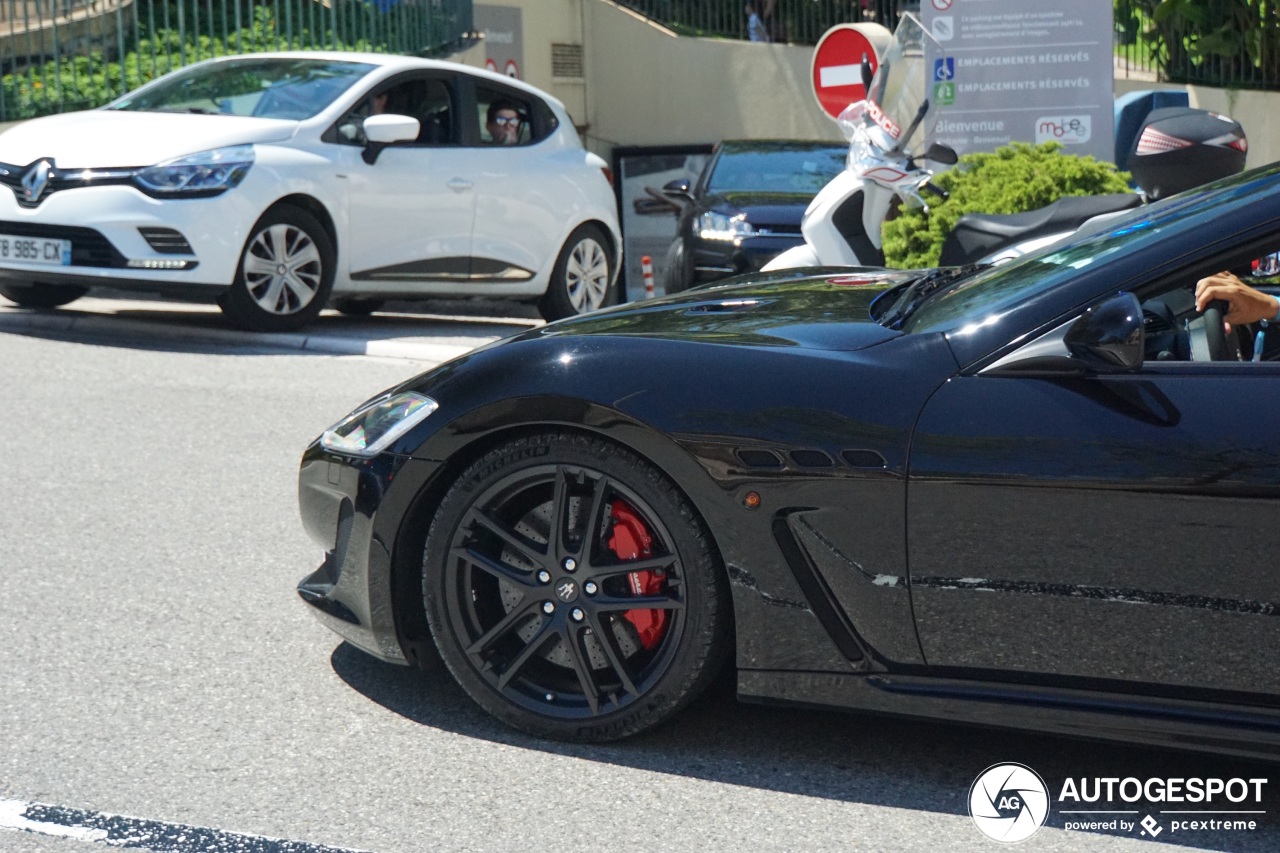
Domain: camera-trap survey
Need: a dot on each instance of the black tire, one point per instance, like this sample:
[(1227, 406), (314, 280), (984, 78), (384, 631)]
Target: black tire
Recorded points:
[(261, 299), (597, 667), (582, 279), (41, 295), (358, 306), (675, 278)]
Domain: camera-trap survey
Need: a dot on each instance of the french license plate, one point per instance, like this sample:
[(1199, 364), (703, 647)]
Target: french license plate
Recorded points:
[(35, 250)]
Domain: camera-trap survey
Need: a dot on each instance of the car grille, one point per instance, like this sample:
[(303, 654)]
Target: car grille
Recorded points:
[(166, 241), (59, 179), (88, 247)]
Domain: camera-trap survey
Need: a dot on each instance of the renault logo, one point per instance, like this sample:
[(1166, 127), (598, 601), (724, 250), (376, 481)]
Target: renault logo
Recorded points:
[(36, 180)]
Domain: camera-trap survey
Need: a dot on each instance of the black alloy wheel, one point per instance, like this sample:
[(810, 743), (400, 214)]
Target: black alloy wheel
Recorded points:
[(572, 591), (285, 273), (41, 295)]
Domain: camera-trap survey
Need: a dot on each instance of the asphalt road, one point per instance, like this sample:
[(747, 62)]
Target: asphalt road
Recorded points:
[(156, 663)]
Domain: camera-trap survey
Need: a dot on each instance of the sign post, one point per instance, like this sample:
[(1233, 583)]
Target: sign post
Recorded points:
[(837, 64), (1024, 70)]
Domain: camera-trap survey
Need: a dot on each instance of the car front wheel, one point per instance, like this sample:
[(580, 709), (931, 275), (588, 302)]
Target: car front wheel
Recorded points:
[(285, 273), (582, 278), (41, 295), (572, 590)]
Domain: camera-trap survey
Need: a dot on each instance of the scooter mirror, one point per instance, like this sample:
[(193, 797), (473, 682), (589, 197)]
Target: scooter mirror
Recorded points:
[(944, 154), (868, 73)]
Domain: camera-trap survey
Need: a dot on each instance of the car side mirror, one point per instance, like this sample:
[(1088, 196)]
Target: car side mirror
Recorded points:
[(1108, 338), (679, 189), (944, 154), (384, 130)]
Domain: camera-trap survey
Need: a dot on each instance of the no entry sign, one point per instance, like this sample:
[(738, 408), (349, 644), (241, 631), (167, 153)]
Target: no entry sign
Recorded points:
[(837, 63)]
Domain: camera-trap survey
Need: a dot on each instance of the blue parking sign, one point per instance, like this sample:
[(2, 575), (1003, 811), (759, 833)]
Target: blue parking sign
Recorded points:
[(944, 69)]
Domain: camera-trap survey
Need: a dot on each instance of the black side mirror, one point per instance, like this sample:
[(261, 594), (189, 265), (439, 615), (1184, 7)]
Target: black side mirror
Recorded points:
[(867, 74), (1109, 337), (944, 154), (679, 188)]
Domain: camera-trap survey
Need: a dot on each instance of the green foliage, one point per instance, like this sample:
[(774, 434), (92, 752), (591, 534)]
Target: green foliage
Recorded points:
[(1012, 179), (1214, 42), (87, 81)]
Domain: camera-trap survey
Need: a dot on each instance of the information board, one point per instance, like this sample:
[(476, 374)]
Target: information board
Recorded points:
[(1023, 70)]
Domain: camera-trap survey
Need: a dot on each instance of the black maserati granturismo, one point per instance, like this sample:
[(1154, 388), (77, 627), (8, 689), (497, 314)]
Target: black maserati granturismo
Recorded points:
[(1036, 495)]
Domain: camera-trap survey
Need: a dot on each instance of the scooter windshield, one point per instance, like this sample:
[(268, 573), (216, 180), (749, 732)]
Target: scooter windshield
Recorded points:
[(898, 103)]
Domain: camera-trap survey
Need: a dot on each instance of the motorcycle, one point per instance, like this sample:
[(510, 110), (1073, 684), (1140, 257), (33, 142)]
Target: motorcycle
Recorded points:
[(887, 159), (1176, 149)]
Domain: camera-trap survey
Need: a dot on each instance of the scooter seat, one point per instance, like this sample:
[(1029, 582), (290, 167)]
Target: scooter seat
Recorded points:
[(977, 235)]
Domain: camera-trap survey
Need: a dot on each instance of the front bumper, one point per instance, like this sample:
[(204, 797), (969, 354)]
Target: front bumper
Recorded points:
[(354, 509), (716, 259), (107, 227)]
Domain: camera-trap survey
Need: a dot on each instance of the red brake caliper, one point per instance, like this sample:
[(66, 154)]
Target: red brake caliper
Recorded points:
[(630, 540)]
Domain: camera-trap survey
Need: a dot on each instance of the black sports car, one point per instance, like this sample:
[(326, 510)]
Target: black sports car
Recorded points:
[(1036, 495), (745, 208)]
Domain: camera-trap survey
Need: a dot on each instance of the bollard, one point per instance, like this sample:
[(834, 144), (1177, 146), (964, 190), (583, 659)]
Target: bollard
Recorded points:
[(646, 267)]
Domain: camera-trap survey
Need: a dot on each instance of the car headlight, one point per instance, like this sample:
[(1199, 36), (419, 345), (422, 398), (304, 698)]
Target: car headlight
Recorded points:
[(718, 226), (203, 174), (373, 427)]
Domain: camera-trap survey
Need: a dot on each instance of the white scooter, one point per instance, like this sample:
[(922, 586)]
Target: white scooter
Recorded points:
[(886, 133)]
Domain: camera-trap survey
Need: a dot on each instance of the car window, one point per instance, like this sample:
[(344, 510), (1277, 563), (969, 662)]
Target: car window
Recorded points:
[(266, 88), (787, 169), (427, 99), (982, 295), (504, 119)]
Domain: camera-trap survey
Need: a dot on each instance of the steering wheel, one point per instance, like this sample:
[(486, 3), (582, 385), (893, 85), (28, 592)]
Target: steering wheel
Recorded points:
[(1221, 346)]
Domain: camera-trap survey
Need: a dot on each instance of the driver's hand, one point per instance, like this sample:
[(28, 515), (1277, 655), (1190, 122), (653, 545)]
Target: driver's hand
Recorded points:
[(1245, 304)]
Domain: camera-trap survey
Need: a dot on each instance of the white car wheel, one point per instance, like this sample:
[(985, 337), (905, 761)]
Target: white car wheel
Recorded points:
[(285, 275), (582, 278)]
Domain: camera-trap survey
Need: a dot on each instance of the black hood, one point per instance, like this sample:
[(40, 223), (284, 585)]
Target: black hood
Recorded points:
[(761, 208), (827, 312)]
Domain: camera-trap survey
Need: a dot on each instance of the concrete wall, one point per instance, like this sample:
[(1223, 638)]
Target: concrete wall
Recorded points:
[(644, 85)]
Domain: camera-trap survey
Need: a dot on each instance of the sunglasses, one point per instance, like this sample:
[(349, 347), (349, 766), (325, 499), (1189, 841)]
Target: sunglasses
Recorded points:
[(506, 120)]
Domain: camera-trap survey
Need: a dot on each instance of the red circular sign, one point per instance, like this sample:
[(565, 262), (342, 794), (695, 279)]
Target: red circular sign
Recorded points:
[(837, 67)]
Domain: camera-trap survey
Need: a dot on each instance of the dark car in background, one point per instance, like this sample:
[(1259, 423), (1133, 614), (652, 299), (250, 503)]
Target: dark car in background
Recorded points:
[(745, 208)]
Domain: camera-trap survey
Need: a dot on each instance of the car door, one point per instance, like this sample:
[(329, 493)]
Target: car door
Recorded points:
[(1108, 531), (522, 190), (410, 213)]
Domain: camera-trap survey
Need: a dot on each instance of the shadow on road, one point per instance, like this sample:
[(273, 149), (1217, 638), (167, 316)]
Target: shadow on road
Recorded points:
[(857, 758)]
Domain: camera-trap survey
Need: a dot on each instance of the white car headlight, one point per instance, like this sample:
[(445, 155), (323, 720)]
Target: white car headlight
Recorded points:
[(372, 428), (206, 173), (717, 226)]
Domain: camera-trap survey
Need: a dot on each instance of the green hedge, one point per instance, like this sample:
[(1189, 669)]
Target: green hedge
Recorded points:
[(1012, 179)]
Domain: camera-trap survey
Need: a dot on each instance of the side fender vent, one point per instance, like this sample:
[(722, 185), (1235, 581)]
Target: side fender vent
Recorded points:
[(759, 458), (863, 459)]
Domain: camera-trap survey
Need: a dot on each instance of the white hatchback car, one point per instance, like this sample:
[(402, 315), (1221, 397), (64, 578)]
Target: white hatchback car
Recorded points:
[(282, 182)]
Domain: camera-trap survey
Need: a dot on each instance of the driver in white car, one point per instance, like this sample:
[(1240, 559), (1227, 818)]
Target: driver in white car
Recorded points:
[(1245, 304)]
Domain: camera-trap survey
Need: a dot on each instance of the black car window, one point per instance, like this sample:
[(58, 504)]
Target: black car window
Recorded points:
[(427, 99), (785, 169), (505, 118), (987, 293)]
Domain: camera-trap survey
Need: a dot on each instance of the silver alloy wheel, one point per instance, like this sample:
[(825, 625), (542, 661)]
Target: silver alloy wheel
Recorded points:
[(282, 269), (587, 276)]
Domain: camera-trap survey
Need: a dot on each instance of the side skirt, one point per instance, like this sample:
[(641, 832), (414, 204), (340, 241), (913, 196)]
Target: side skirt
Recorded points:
[(1231, 730)]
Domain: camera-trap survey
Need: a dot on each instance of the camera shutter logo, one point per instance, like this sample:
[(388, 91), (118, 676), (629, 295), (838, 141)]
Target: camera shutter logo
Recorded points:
[(1009, 802), (36, 180)]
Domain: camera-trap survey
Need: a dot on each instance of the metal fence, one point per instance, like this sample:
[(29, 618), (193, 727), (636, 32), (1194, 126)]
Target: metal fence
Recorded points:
[(1232, 44), (60, 55), (792, 21)]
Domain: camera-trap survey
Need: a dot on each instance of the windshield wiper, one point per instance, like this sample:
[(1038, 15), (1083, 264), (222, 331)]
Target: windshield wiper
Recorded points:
[(903, 300)]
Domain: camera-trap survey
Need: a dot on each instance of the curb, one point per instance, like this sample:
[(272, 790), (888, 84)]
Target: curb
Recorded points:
[(19, 321)]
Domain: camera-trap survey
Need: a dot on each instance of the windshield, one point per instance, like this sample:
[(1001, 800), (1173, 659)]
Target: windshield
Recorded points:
[(993, 290), (282, 88), (899, 90), (782, 167)]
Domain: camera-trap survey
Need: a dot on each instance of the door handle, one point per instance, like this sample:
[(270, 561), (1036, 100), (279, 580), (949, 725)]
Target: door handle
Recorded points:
[(460, 184)]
